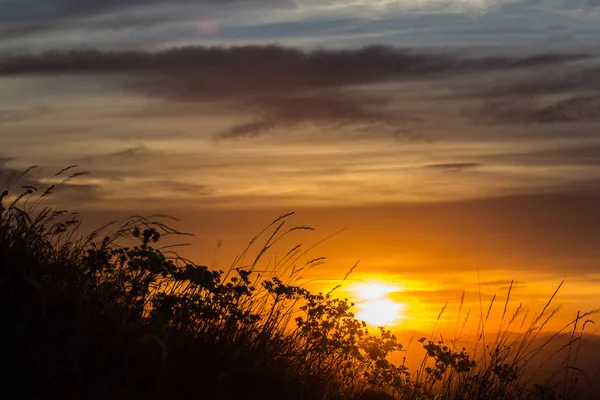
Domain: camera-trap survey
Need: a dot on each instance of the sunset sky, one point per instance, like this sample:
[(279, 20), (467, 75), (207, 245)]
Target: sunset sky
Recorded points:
[(456, 143)]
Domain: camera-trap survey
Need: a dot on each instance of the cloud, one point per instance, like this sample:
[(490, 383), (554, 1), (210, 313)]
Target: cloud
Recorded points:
[(279, 86), (329, 108), (9, 116), (584, 154), (329, 115), (56, 9), (220, 70), (528, 110), (115, 22), (582, 79), (559, 5), (248, 129), (37, 24), (132, 152), (454, 166), (181, 187), (19, 30), (552, 95), (77, 193)]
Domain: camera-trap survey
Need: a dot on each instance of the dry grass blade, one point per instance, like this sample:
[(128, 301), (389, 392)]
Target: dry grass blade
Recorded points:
[(351, 270)]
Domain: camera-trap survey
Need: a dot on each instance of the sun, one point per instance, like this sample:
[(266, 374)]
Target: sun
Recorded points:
[(374, 305), (381, 312)]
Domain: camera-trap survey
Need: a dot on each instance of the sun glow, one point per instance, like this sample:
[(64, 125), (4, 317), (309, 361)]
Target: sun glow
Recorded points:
[(375, 306)]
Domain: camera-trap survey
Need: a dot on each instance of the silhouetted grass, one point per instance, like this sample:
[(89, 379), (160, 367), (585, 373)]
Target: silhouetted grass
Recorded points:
[(111, 315)]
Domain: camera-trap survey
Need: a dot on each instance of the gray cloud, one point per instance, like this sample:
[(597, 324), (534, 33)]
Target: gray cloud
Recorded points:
[(454, 166), (8, 116), (11, 29), (38, 24), (582, 154), (582, 79), (527, 110), (551, 95), (549, 5), (79, 193), (279, 86), (132, 152), (38, 9), (27, 24), (334, 109), (249, 129), (221, 69), (22, 18), (24, 10), (182, 187)]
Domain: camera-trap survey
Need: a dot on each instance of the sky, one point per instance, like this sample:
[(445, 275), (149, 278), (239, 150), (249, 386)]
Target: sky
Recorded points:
[(450, 145)]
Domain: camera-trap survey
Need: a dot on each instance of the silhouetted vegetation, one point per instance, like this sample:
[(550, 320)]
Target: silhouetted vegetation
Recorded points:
[(112, 315)]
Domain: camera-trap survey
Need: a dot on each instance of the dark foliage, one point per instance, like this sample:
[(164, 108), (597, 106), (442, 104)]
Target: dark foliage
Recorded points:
[(111, 315)]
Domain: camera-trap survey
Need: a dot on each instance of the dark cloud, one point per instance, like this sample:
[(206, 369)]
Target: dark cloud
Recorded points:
[(10, 30), (4, 161), (249, 129), (26, 24), (12, 116), (34, 17), (571, 155), (581, 79), (333, 109), (184, 188), (559, 5), (554, 95), (66, 8), (454, 166), (76, 193), (36, 9), (7, 116), (528, 110), (221, 70), (132, 152), (278, 86), (24, 10)]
